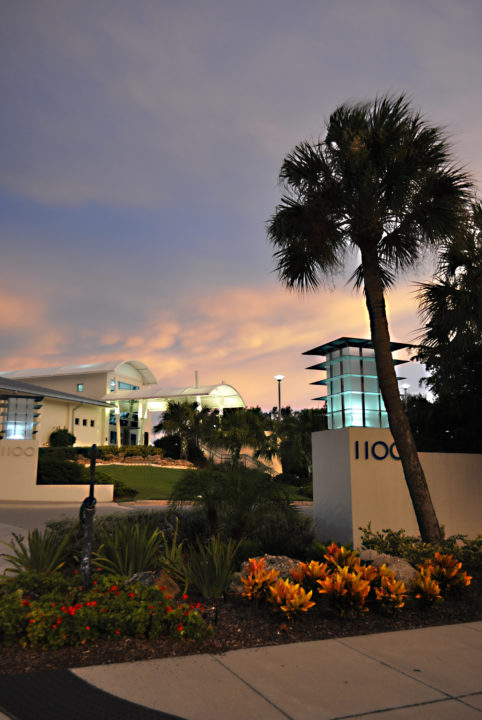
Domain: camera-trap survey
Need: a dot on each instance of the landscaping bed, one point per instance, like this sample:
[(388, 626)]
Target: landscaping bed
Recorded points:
[(243, 624)]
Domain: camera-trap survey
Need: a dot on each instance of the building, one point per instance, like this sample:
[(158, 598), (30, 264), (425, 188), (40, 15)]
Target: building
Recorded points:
[(110, 403)]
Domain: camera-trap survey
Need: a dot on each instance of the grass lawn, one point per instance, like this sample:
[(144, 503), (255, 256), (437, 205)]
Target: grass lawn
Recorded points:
[(152, 483)]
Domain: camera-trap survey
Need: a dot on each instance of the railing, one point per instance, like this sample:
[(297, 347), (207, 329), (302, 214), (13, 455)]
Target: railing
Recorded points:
[(221, 456)]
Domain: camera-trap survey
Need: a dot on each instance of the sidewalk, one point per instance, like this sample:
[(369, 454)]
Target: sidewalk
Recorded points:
[(427, 674)]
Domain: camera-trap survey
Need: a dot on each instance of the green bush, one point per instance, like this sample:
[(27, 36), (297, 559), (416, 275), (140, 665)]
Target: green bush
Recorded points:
[(398, 543), (57, 467), (61, 437)]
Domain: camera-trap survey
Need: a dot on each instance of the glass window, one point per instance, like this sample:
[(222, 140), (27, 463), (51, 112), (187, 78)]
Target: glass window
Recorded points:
[(126, 386), (80, 387), (20, 418), (76, 421), (92, 423), (112, 385), (84, 422)]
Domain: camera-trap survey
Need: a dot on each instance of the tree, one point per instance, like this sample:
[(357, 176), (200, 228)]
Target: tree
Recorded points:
[(185, 421), (451, 343), (381, 184), (238, 428)]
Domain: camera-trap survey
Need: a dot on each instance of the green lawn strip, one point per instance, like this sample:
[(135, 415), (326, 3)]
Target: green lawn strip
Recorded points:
[(152, 483)]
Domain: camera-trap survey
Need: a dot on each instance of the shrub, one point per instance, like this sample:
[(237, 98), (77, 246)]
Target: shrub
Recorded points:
[(61, 437), (447, 573), (57, 467), (256, 583), (211, 566), (347, 591), (108, 610), (397, 542), (426, 589), (290, 597), (341, 556), (281, 530), (41, 553), (390, 594), (129, 550)]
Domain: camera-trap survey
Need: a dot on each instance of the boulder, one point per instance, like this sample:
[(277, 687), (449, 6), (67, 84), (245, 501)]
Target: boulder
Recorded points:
[(152, 578), (402, 568), (282, 563)]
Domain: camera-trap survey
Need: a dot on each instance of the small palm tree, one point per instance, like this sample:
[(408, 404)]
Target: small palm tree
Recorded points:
[(380, 184)]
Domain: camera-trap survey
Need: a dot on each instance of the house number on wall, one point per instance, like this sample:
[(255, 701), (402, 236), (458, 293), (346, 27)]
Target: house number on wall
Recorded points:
[(378, 450)]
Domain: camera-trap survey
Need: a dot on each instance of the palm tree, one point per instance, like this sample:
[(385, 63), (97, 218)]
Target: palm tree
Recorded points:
[(382, 184), (180, 419)]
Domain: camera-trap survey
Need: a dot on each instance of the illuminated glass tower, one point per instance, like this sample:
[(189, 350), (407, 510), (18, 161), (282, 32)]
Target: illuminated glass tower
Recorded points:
[(353, 397)]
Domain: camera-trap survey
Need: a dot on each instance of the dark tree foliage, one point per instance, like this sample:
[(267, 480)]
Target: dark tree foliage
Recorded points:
[(451, 343)]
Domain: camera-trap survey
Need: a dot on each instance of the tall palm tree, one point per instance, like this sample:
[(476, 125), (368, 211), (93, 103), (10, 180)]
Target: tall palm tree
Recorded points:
[(381, 183)]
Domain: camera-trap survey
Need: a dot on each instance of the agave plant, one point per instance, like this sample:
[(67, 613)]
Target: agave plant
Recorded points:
[(129, 549), (41, 553)]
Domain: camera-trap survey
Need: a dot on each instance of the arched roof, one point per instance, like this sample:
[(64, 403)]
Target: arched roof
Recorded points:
[(104, 367), (212, 396)]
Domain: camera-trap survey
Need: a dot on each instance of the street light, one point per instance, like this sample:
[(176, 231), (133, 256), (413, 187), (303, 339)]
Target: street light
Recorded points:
[(279, 378), (405, 387)]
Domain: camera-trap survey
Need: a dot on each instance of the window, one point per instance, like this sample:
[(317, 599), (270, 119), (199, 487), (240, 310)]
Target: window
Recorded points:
[(84, 422), (126, 386), (80, 387), (92, 423), (76, 421), (20, 418), (112, 385)]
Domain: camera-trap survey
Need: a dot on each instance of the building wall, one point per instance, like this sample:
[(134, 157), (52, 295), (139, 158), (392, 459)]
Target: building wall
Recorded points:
[(57, 414), (95, 384), (358, 480), (18, 475)]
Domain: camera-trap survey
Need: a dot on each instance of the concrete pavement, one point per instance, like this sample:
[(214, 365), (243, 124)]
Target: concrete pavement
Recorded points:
[(415, 674)]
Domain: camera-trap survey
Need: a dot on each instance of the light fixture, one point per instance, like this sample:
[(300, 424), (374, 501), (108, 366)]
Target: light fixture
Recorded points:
[(279, 378)]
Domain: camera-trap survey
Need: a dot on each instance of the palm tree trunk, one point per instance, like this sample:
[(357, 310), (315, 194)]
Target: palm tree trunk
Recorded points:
[(398, 422)]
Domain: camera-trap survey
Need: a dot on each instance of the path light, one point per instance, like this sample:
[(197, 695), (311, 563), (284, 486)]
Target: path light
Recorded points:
[(279, 378)]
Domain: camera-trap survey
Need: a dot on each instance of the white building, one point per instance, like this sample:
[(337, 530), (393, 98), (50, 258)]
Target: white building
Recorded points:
[(109, 403)]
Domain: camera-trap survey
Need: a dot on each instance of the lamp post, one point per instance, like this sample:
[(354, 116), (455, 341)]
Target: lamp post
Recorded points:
[(405, 387), (279, 378)]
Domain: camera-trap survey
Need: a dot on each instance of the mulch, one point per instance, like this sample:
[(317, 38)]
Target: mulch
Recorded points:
[(242, 624)]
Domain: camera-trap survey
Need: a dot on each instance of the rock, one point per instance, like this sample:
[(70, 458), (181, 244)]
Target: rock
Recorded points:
[(402, 569), (282, 563), (151, 578)]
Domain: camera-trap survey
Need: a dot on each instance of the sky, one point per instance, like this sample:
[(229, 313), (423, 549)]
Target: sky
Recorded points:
[(141, 146)]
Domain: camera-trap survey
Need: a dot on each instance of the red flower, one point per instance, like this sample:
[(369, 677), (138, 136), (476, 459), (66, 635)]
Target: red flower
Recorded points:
[(132, 594), (87, 627), (185, 597), (169, 608)]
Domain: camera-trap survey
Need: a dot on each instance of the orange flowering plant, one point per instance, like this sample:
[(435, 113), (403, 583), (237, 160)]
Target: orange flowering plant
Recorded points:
[(290, 597), (256, 583)]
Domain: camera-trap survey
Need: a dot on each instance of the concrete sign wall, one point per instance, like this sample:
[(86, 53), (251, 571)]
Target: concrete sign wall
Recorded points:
[(18, 477), (358, 478)]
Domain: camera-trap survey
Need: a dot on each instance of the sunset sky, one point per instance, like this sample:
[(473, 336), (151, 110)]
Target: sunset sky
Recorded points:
[(140, 148)]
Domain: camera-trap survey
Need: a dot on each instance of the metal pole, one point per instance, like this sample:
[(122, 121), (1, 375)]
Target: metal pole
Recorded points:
[(87, 513)]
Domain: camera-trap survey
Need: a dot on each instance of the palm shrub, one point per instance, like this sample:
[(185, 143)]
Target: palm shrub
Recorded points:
[(43, 552), (128, 550), (234, 498)]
